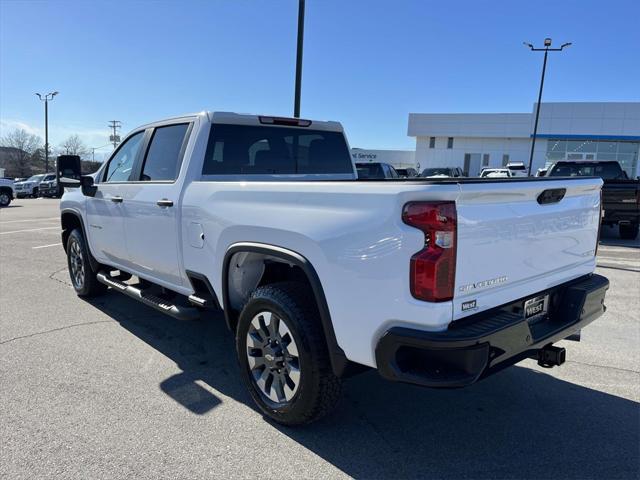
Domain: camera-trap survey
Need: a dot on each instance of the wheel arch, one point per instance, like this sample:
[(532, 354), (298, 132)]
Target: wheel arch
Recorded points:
[(69, 220), (339, 361)]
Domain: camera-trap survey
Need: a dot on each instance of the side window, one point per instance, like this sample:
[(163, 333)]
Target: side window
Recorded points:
[(163, 158), (121, 165)]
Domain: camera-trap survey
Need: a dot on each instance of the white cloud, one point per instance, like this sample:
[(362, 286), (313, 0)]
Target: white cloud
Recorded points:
[(92, 137)]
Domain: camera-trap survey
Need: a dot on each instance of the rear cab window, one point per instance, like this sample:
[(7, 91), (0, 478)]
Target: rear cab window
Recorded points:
[(275, 150)]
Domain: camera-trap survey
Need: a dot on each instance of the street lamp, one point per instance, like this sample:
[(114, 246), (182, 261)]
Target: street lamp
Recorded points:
[(547, 48), (296, 102), (45, 99)]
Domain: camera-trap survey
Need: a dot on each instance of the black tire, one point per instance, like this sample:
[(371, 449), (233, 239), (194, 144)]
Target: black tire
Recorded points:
[(318, 389), (629, 232), (5, 198), (34, 194), (83, 278)]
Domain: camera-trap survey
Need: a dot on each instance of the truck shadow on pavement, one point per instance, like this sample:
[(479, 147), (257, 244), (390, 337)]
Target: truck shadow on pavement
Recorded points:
[(517, 424)]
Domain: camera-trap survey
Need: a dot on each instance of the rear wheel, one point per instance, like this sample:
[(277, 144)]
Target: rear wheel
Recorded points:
[(283, 355), (83, 278), (629, 232)]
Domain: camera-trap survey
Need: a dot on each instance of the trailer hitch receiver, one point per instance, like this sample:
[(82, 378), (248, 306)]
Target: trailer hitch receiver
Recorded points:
[(550, 356)]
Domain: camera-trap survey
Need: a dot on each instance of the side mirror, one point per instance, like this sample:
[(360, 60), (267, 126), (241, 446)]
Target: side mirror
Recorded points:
[(88, 189), (68, 171)]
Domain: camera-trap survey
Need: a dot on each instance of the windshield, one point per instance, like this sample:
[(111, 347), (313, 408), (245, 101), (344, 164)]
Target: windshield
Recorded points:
[(35, 178), (369, 170), (605, 171), (430, 172)]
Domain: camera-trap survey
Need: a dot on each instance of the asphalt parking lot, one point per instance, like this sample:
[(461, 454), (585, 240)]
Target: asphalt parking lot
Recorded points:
[(112, 389)]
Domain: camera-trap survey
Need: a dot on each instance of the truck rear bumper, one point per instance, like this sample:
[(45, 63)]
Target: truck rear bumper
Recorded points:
[(482, 344)]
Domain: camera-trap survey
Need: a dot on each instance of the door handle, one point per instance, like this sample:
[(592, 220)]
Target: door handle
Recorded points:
[(116, 199), (164, 203)]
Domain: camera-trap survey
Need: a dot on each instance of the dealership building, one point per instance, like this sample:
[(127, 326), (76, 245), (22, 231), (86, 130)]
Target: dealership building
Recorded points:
[(566, 131)]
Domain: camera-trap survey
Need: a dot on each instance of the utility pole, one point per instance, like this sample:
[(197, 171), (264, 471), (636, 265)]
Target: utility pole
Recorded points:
[(296, 105), (47, 97), (547, 48), (115, 138)]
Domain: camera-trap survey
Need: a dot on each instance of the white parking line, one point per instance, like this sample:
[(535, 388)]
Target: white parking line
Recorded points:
[(29, 230), (45, 246), (31, 220)]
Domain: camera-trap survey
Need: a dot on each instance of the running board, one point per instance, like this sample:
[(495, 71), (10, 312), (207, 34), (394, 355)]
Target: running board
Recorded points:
[(160, 304)]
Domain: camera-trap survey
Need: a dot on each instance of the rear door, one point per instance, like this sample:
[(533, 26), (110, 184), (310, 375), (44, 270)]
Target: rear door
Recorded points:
[(515, 240), (152, 211)]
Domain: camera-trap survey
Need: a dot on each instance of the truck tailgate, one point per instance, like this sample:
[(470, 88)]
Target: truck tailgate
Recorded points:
[(511, 245)]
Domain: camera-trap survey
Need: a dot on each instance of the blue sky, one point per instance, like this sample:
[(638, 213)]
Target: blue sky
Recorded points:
[(367, 63)]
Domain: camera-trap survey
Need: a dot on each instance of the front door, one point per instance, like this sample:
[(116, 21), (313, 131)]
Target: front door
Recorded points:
[(152, 209), (105, 210)]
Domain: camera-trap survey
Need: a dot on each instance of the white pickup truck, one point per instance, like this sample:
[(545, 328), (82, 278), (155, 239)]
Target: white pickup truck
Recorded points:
[(435, 282)]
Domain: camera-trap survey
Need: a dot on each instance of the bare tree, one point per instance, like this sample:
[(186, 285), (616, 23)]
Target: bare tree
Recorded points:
[(74, 146), (18, 149)]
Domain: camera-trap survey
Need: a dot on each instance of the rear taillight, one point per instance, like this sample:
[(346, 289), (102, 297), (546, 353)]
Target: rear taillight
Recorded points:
[(433, 269)]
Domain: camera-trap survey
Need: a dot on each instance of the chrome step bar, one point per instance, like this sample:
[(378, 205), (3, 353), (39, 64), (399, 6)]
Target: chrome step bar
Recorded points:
[(165, 306)]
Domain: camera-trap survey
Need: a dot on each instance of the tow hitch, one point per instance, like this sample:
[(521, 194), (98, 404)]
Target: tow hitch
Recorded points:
[(550, 356)]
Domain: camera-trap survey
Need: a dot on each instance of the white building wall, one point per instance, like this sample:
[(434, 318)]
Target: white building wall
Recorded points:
[(395, 158), (441, 156), (589, 118), (497, 134)]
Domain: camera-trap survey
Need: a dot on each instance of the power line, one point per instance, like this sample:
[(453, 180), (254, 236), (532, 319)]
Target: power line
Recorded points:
[(115, 125)]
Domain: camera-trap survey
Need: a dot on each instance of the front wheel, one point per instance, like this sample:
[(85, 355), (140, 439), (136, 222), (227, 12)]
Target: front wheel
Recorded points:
[(629, 232), (283, 355), (83, 278), (5, 199)]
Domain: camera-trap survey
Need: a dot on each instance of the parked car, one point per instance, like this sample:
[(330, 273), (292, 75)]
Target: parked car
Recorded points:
[(49, 188), (517, 169), (321, 275), (31, 186), (495, 173), (620, 195), (375, 170), (7, 192), (455, 172), (407, 172)]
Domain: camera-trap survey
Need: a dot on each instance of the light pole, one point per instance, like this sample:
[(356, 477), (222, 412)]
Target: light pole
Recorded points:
[(296, 105), (547, 48), (47, 97)]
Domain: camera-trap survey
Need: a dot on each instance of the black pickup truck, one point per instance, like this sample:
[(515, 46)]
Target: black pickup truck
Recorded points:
[(620, 195)]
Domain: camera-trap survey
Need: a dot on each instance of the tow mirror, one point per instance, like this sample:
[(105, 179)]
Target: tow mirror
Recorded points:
[(68, 171), (69, 175)]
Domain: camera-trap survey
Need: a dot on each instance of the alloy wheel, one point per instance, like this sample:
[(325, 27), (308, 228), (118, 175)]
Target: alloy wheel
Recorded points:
[(76, 263), (273, 358)]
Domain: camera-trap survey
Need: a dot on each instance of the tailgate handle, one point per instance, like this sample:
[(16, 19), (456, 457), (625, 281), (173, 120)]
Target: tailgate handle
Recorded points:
[(552, 195)]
